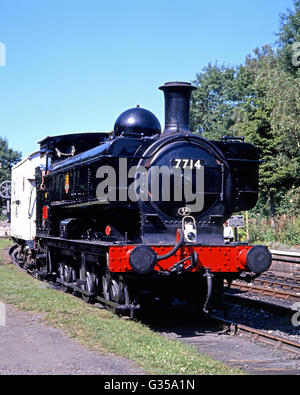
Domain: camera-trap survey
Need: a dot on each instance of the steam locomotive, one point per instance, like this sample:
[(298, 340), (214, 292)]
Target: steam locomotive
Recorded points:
[(134, 217)]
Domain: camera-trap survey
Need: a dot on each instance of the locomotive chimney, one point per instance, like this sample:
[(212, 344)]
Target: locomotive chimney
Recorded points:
[(177, 106)]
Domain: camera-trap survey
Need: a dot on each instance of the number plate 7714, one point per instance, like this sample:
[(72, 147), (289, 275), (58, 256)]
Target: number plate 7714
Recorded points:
[(187, 163)]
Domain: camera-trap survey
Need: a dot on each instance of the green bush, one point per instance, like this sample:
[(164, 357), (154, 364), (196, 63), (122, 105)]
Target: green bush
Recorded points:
[(283, 230)]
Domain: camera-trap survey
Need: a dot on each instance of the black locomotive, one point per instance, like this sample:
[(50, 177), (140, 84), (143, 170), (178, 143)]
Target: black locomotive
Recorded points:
[(135, 217)]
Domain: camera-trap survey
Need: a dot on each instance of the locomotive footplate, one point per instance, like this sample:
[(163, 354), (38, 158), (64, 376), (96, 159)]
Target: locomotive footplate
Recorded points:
[(233, 258), (218, 259)]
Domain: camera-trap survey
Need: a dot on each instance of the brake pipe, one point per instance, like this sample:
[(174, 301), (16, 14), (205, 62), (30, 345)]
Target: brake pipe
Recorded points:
[(174, 249)]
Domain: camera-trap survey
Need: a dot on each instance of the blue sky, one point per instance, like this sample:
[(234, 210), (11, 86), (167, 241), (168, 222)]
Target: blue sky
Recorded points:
[(75, 65)]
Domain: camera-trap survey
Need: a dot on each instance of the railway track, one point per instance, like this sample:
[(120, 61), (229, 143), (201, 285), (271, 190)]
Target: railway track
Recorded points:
[(286, 264), (278, 342), (279, 287), (270, 288), (279, 282), (282, 281), (282, 312)]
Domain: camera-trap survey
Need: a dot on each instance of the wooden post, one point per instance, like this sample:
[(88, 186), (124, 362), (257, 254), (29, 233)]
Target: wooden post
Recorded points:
[(236, 234), (247, 226)]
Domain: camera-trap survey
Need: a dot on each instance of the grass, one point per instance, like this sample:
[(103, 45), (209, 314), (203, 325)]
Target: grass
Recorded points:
[(102, 331)]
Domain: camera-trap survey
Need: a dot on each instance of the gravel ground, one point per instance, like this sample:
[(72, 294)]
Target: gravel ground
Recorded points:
[(28, 347), (237, 351), (262, 319)]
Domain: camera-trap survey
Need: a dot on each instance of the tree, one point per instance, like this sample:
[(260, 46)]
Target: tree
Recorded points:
[(8, 158), (249, 101), (289, 40), (269, 120), (260, 101), (212, 109)]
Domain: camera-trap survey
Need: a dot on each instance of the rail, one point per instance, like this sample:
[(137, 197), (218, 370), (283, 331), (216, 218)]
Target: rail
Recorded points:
[(285, 253), (259, 335), (285, 256)]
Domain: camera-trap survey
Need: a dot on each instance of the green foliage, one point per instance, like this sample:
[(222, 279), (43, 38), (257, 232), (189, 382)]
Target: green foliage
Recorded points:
[(285, 231), (269, 120), (212, 110), (288, 35), (8, 158), (260, 101)]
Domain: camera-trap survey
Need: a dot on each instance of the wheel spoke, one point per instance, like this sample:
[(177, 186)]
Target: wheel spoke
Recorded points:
[(65, 274)]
